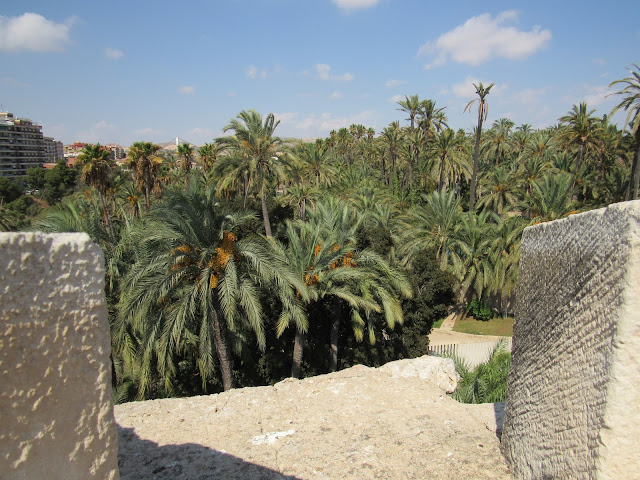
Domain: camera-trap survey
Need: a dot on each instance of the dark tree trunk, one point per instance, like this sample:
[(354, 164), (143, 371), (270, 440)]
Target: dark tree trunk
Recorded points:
[(246, 188), (224, 353), (336, 313), (298, 349)]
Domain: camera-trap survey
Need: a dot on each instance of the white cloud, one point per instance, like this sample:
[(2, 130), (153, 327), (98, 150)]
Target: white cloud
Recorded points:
[(600, 62), (98, 132), (186, 90), (596, 94), (392, 82), (396, 98), (254, 72), (482, 38), (231, 94), (33, 32), (465, 89), (443, 91), (322, 71), (335, 96), (322, 124), (349, 5), (113, 53)]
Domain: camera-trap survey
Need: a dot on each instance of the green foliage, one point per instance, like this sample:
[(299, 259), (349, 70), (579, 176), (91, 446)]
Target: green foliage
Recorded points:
[(487, 383), (59, 182), (479, 310), (10, 190)]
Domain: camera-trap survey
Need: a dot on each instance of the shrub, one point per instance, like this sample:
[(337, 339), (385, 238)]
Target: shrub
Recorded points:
[(479, 310), (487, 383)]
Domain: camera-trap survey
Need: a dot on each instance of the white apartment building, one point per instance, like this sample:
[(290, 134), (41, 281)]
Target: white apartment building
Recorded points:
[(21, 145)]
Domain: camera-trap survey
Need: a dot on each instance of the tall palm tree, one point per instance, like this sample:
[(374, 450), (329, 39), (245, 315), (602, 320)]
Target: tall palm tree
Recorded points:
[(631, 103), (254, 144), (194, 286), (96, 171), (393, 138), (431, 119), (550, 198), (498, 191), (483, 111), (144, 162)]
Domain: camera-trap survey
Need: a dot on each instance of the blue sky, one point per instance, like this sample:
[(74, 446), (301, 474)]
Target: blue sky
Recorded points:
[(140, 70)]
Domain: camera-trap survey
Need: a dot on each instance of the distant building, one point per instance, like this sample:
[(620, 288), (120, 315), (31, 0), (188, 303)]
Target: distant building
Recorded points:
[(21, 145), (54, 150)]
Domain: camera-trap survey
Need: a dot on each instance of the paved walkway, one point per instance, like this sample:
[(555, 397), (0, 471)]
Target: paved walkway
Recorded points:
[(442, 336)]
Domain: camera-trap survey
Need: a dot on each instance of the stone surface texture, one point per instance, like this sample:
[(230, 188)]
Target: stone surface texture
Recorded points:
[(394, 422), (56, 409), (573, 408)]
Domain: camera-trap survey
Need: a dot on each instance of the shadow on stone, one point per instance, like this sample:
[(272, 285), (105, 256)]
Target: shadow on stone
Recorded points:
[(142, 459), (498, 411)]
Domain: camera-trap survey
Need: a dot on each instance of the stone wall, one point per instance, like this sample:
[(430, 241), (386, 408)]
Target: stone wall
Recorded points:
[(56, 409), (573, 408)]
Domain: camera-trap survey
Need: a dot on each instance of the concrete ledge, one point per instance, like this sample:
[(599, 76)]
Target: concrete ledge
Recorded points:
[(573, 408), (56, 407)]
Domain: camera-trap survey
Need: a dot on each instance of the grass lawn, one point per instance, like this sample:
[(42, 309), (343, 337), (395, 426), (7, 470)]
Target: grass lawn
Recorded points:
[(438, 323), (499, 326)]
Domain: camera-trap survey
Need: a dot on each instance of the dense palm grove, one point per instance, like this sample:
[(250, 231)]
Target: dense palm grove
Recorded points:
[(256, 258)]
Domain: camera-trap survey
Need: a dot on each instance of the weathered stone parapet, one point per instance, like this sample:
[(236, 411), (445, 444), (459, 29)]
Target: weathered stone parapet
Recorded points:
[(56, 408), (573, 408)]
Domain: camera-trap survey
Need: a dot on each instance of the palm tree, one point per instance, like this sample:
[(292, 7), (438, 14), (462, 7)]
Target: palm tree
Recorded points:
[(446, 148), (431, 119), (322, 253), (483, 111), (433, 225), (498, 191), (144, 162), (471, 249), (208, 155), (550, 198), (580, 128), (185, 152), (393, 138), (256, 147), (194, 286), (96, 170), (316, 164), (631, 103)]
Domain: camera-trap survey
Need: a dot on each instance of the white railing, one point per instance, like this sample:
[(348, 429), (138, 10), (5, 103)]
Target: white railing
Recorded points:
[(472, 353)]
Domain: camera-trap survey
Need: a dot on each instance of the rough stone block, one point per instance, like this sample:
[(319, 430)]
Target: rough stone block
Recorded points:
[(56, 408), (573, 407)]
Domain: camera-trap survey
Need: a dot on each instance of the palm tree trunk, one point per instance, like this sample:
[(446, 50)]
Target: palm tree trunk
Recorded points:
[(336, 313), (265, 216), (107, 216), (634, 181), (298, 348), (246, 188), (474, 175), (441, 183), (224, 353)]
